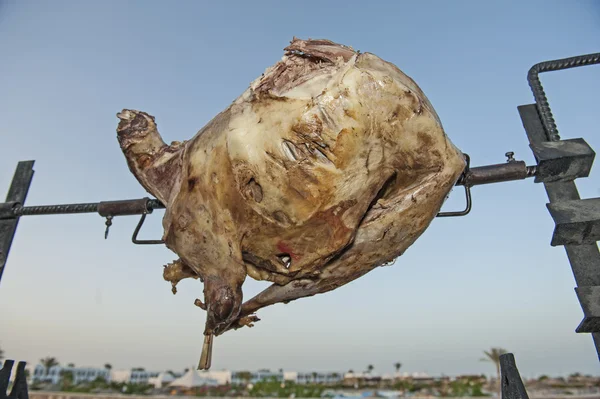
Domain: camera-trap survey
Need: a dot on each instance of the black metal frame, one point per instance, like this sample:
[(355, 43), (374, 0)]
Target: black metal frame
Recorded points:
[(559, 163), (16, 194), (511, 385), (19, 388)]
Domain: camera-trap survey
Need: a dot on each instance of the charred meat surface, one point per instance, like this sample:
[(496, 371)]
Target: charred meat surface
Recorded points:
[(330, 164)]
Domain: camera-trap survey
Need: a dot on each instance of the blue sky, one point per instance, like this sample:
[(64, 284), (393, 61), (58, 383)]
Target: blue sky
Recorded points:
[(488, 279)]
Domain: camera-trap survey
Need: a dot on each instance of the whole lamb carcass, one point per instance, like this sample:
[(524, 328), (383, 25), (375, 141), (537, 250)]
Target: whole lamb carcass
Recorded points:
[(330, 164)]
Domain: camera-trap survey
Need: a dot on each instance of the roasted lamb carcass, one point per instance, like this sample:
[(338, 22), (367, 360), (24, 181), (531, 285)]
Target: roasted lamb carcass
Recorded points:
[(330, 164)]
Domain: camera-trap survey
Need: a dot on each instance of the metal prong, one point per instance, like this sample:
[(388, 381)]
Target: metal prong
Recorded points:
[(206, 356)]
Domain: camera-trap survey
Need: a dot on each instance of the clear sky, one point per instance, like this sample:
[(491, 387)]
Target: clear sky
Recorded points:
[(488, 279)]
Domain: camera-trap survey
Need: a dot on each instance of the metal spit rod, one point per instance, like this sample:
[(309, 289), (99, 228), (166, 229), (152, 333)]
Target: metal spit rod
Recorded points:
[(509, 171)]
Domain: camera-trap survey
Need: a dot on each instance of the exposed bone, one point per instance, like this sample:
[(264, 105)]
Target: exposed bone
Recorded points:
[(156, 165), (177, 271)]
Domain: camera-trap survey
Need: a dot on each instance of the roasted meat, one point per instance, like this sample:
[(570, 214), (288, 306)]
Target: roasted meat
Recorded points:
[(330, 164)]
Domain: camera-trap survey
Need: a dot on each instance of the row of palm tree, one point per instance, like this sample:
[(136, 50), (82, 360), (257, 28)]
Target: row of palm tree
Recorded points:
[(370, 368), (493, 355)]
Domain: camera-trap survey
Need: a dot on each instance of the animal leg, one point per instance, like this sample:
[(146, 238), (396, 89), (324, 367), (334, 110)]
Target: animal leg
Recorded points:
[(177, 271)]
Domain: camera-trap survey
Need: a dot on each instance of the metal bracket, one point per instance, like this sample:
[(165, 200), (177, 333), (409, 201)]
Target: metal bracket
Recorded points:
[(589, 298), (562, 160), (137, 230), (577, 221), (110, 209), (463, 212), (467, 194)]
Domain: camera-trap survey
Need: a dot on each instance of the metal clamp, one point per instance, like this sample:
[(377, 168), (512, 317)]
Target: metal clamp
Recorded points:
[(143, 206), (7, 209), (467, 194), (137, 230)]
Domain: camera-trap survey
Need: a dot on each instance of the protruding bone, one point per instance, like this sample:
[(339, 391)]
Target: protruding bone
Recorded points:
[(155, 165), (206, 357), (177, 271)]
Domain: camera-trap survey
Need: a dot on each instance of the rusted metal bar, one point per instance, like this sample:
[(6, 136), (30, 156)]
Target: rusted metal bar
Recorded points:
[(9, 210), (509, 171), (541, 101), (125, 207)]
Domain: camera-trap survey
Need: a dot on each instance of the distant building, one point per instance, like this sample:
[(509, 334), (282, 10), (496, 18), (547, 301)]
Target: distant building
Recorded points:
[(290, 376), (222, 377), (252, 377), (80, 374), (193, 379), (319, 378), (478, 378), (163, 379), (212, 378), (134, 376), (422, 378), (355, 379)]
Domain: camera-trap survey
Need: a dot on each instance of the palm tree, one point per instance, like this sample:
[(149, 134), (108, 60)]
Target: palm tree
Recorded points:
[(48, 363), (494, 356), (370, 368), (245, 376), (66, 377), (314, 376), (397, 366), (108, 366)]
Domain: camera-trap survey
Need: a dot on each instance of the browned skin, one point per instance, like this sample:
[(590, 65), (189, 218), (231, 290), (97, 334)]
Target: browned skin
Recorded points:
[(308, 185)]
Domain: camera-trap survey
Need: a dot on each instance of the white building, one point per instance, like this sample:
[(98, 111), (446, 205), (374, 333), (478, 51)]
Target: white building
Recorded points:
[(193, 379), (80, 374), (162, 379), (134, 376), (290, 376), (212, 378), (319, 378), (222, 377), (241, 377)]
